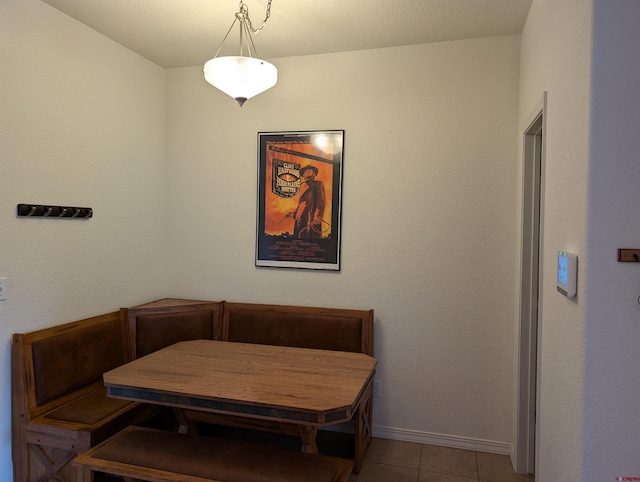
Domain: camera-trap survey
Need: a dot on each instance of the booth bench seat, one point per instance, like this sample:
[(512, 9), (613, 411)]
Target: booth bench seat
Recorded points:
[(152, 455), (59, 404)]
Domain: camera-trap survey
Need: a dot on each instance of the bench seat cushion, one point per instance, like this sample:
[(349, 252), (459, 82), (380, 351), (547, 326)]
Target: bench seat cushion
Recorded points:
[(304, 329), (89, 409), (76, 357), (155, 331)]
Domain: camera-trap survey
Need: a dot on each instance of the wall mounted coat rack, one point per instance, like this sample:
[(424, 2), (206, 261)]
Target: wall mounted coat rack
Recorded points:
[(47, 211)]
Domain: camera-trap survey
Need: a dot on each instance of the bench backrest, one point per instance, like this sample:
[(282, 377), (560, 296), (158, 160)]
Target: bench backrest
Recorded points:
[(167, 321), (300, 326), (55, 365)]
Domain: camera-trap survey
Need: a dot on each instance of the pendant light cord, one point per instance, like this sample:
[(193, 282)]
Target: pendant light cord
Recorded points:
[(242, 15), (244, 10)]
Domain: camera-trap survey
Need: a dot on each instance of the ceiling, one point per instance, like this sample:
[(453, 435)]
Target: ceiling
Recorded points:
[(182, 33)]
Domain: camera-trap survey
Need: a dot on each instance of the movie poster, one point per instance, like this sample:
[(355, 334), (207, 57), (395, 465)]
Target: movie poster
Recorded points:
[(299, 197)]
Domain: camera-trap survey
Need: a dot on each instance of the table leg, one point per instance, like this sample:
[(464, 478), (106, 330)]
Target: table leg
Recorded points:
[(363, 428), (308, 437), (186, 425)]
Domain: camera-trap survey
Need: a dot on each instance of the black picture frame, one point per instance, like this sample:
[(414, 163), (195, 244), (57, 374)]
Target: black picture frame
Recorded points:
[(299, 199)]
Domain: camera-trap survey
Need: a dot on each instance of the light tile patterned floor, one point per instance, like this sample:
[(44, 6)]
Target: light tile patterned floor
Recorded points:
[(398, 461)]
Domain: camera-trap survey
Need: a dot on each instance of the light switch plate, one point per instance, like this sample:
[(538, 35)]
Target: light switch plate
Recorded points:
[(3, 289)]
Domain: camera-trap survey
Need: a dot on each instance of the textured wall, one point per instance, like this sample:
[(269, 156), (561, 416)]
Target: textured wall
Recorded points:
[(428, 203), (611, 422), (428, 230), (585, 54), (81, 124), (555, 58)]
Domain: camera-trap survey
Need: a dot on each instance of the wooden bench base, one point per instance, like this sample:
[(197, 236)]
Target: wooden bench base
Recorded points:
[(155, 455)]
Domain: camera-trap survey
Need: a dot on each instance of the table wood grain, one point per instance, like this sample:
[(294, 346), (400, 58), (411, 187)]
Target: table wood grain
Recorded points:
[(300, 385)]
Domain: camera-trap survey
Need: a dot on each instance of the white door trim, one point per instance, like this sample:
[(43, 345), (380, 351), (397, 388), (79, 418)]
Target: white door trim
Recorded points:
[(530, 287)]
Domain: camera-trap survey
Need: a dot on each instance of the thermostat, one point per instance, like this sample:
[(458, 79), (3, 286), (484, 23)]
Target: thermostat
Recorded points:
[(567, 273)]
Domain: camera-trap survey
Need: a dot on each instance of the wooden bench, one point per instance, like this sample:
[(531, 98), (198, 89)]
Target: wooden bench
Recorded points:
[(59, 404), (151, 455)]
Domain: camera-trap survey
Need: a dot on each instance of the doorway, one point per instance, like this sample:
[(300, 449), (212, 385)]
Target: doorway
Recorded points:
[(534, 136)]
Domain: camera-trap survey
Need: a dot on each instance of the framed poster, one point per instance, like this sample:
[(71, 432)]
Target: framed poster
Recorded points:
[(299, 199)]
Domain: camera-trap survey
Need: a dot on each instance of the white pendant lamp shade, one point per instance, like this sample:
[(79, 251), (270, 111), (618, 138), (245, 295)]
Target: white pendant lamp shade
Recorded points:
[(240, 77)]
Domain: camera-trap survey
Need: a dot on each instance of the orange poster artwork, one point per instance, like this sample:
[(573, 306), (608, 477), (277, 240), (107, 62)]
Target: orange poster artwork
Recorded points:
[(299, 195)]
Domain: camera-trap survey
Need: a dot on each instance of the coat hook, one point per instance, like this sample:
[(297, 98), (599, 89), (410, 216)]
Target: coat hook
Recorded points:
[(52, 211)]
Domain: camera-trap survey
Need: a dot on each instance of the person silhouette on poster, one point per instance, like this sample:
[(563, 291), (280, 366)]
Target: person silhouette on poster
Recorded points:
[(308, 215)]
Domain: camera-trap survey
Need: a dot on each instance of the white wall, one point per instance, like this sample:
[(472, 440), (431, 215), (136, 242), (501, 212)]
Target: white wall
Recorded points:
[(555, 57), (428, 237), (611, 416), (585, 54), (82, 123), (428, 205), (428, 211)]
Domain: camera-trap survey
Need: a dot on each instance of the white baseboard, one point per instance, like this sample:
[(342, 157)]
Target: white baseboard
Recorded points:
[(466, 443)]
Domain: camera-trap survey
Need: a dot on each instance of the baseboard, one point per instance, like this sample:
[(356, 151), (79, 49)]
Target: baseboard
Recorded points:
[(466, 443)]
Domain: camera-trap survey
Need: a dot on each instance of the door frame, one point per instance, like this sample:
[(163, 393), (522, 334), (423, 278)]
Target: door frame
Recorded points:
[(534, 134)]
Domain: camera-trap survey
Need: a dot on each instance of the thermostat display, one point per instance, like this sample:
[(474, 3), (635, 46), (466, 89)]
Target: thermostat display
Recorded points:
[(567, 273)]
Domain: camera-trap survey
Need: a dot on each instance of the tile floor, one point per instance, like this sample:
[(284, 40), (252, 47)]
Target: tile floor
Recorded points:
[(398, 461)]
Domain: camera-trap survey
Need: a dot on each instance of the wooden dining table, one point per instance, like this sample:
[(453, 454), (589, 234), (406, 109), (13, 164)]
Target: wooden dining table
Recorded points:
[(310, 388)]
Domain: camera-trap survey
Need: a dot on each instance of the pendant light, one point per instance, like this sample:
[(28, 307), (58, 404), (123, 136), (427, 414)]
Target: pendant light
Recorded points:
[(242, 77)]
